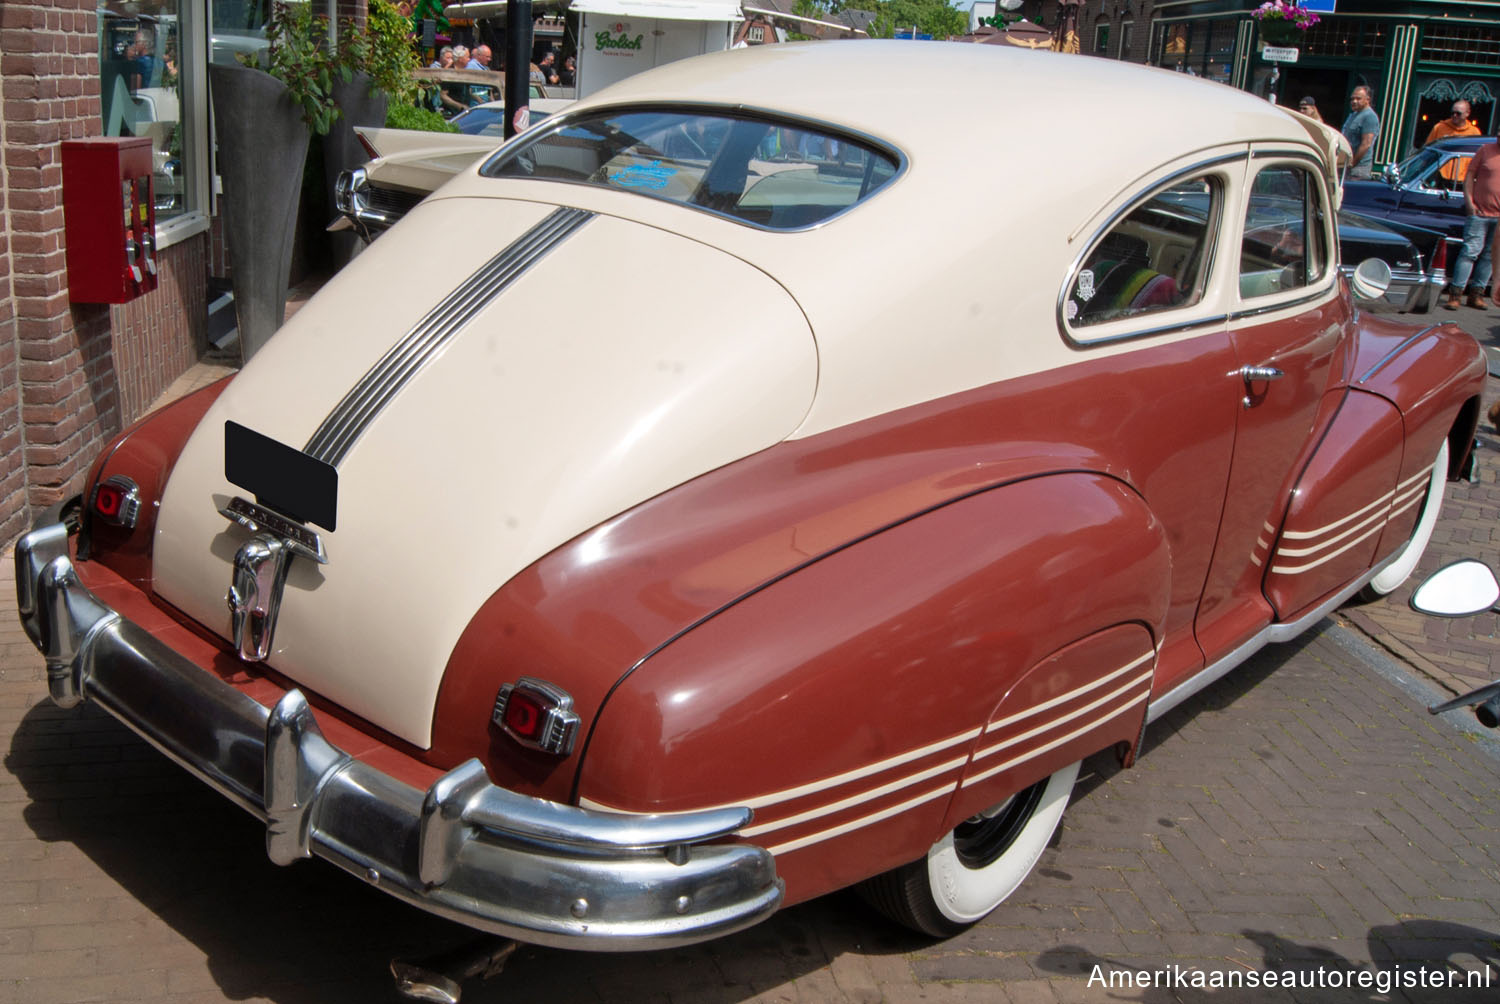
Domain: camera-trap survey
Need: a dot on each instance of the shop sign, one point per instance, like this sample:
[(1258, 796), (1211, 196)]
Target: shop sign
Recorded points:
[(1280, 53), (618, 41)]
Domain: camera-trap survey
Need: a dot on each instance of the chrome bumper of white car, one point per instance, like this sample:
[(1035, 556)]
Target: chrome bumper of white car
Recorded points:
[(1412, 291), (523, 867)]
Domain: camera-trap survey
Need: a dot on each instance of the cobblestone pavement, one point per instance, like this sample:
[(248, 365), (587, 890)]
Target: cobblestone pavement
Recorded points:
[(1303, 817)]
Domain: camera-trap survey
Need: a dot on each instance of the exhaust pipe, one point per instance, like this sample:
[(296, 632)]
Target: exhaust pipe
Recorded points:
[(440, 977)]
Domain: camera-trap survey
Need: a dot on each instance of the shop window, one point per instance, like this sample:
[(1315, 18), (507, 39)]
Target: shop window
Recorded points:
[(152, 70), (1101, 39)]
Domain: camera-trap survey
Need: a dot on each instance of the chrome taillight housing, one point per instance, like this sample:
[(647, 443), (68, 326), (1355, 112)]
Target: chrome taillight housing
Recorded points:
[(536, 714), (116, 500)]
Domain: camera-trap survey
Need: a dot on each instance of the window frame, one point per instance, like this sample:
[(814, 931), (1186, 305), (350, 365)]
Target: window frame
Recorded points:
[(194, 26), (192, 30), (567, 119), (1122, 329), (1316, 288)]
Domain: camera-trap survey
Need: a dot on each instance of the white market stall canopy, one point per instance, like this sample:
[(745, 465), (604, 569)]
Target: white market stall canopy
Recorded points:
[(661, 10)]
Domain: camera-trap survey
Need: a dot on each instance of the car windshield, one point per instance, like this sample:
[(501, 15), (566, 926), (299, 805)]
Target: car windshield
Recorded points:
[(488, 120), (766, 172), (1418, 164)]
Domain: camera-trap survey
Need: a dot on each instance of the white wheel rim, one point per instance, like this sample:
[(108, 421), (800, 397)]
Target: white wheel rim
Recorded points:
[(963, 894)]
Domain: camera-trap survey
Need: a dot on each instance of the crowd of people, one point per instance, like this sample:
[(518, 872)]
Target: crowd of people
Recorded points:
[(1473, 272), (453, 98)]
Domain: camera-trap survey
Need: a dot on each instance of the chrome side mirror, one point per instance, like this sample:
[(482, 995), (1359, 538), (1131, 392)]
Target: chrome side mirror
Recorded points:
[(1458, 590), (1371, 279), (1391, 175)]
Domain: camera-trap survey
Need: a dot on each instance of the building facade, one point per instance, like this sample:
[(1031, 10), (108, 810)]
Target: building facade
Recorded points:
[(73, 373), (1417, 57)]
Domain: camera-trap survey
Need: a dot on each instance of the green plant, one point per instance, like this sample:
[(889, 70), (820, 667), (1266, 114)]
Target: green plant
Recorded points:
[(398, 116), (389, 54), (298, 55)]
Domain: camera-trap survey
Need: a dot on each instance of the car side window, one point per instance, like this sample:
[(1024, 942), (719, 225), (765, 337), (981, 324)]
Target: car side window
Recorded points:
[(1285, 244), (1449, 177), (1154, 259)]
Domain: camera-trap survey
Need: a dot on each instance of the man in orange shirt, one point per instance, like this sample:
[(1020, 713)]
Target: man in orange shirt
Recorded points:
[(1456, 124), (1482, 203)]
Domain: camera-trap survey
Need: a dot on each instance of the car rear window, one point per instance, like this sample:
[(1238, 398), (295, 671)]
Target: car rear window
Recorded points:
[(767, 172)]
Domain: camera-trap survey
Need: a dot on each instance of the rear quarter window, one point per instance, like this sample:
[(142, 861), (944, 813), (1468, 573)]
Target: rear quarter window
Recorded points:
[(765, 172)]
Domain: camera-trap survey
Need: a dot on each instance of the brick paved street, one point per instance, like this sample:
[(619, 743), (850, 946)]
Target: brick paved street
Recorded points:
[(1305, 816)]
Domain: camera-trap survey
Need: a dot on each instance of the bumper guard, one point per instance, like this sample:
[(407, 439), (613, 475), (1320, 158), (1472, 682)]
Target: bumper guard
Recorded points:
[(523, 867)]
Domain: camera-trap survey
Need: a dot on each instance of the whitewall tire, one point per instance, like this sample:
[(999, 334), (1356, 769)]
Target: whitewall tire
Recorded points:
[(975, 866), (1393, 575)]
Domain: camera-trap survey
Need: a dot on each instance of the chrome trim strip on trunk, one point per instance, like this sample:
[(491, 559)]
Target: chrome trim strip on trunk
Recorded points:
[(523, 867), (423, 343)]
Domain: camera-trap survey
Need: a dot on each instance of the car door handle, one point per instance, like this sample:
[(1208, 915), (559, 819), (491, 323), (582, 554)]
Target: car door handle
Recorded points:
[(1251, 374)]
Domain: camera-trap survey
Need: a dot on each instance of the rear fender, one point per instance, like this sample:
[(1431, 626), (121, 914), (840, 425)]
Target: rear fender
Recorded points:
[(1088, 696), (842, 701)]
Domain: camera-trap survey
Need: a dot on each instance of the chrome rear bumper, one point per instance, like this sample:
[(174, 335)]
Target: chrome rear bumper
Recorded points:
[(523, 867)]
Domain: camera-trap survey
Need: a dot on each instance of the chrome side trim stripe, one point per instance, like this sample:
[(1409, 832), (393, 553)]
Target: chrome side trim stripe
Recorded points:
[(1299, 569), (1285, 631), (1063, 698), (863, 821), (1138, 702), (1118, 696), (812, 787), (1407, 494), (1386, 359), (425, 341), (853, 800), (1048, 726), (1420, 477), (1364, 524)]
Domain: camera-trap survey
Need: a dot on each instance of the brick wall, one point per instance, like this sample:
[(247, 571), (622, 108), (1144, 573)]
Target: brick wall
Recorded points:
[(1116, 14), (158, 336), (49, 74), (12, 474), (70, 374)]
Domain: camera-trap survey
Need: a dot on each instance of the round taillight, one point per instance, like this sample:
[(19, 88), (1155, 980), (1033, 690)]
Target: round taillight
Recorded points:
[(107, 501), (117, 500), (523, 716)]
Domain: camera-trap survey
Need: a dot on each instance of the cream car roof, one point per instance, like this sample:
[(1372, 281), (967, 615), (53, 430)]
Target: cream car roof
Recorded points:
[(922, 97), (948, 278)]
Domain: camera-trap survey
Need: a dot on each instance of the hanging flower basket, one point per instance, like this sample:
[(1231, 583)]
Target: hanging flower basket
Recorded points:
[(1282, 23)]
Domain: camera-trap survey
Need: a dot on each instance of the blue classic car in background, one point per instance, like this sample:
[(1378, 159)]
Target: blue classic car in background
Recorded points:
[(1425, 190)]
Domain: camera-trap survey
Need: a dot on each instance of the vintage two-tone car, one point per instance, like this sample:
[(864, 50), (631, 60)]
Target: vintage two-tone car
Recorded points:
[(748, 510)]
